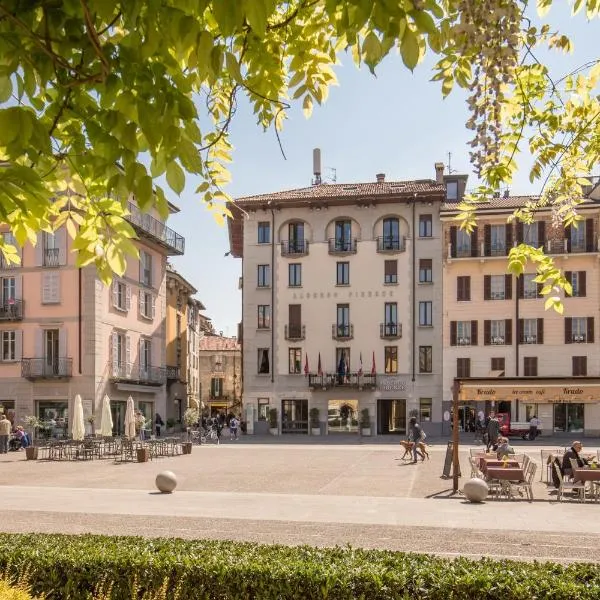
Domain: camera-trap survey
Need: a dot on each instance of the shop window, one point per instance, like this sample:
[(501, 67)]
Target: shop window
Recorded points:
[(263, 409), (425, 409)]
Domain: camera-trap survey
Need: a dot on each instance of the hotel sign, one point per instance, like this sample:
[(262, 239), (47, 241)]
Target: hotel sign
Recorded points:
[(391, 383), (549, 394)]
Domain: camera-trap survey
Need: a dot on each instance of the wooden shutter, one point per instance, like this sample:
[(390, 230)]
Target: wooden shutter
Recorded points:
[(539, 288), (521, 332), (520, 287), (453, 333), (39, 250), (590, 330), (540, 331), (589, 235), (113, 353), (508, 237), (18, 287), (474, 250), (519, 232), (127, 297), (508, 332), (541, 233), (508, 287), (568, 237), (568, 330), (391, 267), (115, 294), (50, 287), (128, 365), (459, 288), (154, 307), (467, 288), (569, 276), (18, 344), (61, 243), (487, 332), (39, 344), (487, 240), (474, 332), (453, 241), (63, 351), (487, 287), (582, 284)]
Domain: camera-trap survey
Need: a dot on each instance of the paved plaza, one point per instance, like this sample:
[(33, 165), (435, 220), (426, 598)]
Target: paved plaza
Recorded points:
[(293, 493)]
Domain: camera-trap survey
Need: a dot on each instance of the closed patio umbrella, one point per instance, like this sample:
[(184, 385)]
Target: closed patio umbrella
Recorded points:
[(106, 424), (78, 424), (130, 419)]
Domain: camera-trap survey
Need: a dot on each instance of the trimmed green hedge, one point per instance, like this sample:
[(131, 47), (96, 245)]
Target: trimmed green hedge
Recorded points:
[(70, 567)]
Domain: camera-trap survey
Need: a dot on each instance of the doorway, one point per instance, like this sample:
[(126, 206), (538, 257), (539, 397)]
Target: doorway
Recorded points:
[(117, 410), (342, 416), (568, 418), (294, 416), (391, 416)]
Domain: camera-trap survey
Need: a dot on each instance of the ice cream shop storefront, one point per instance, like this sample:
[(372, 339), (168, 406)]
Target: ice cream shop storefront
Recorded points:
[(564, 405)]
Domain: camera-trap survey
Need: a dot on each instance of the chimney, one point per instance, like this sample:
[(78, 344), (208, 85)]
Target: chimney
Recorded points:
[(506, 193), (317, 166), (439, 172), (380, 177)]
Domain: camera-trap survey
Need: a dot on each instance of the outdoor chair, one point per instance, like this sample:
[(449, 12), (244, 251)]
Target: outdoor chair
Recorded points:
[(527, 484), (578, 486), (475, 471), (127, 452)]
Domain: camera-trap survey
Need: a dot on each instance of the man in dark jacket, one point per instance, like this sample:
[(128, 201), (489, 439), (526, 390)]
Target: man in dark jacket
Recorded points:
[(573, 453), (493, 431), (415, 435)]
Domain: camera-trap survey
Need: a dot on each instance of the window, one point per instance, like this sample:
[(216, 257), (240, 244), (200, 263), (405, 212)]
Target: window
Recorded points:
[(579, 365), (216, 387), (463, 333), (578, 237), (577, 279), (264, 316), (342, 360), (425, 359), (391, 359), (463, 367), (295, 274), (425, 226), (529, 331), (391, 315), (145, 356), (9, 290), (294, 326), (498, 332), (391, 271), (51, 287), (391, 234), (263, 409), (463, 288), (425, 270), (147, 304), (295, 361), (146, 268), (579, 329), (264, 232), (530, 286), (424, 409), (497, 240), (120, 295), (497, 287), (50, 250), (498, 364), (530, 234), (463, 243), (451, 191), (343, 320), (530, 366), (264, 275), (9, 346), (343, 273), (426, 313), (264, 367), (343, 236)]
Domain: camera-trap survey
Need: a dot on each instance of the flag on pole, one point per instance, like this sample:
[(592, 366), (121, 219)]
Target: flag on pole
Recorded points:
[(373, 369), (306, 365), (319, 368), (360, 366)]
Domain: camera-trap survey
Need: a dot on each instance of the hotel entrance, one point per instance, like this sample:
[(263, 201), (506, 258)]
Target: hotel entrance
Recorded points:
[(391, 416), (342, 416)]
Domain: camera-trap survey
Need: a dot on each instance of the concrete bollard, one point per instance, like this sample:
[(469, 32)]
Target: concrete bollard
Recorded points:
[(166, 481)]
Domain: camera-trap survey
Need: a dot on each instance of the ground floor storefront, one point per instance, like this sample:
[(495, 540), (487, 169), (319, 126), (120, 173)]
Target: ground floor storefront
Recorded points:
[(569, 406)]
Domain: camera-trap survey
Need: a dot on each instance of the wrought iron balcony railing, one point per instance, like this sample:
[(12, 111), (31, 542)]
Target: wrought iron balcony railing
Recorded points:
[(342, 332), (294, 247), (11, 310), (138, 374), (390, 330), (46, 368), (390, 243), (343, 246), (295, 332), (50, 257), (157, 230)]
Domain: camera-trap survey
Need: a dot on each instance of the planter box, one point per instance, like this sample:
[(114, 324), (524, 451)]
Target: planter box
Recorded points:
[(143, 454), (273, 430), (366, 431), (315, 431), (186, 447), (31, 453)]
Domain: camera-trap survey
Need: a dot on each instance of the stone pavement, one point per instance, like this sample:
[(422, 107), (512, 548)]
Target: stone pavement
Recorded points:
[(316, 494)]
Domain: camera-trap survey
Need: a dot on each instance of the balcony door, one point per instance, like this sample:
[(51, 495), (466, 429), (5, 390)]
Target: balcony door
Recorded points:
[(343, 236), (295, 320), (296, 237), (391, 234), (391, 315), (145, 358), (52, 351), (9, 290), (343, 320)]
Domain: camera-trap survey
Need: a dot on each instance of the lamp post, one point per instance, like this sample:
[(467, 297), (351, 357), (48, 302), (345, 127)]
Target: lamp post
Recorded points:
[(455, 465)]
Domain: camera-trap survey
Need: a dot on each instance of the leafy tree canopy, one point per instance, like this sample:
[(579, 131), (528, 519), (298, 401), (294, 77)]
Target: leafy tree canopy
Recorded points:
[(100, 97)]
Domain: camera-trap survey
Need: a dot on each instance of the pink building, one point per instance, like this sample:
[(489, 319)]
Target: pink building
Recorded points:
[(63, 332)]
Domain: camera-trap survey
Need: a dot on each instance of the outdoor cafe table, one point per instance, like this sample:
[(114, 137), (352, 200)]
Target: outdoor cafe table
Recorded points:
[(506, 473), (586, 474), (485, 464)]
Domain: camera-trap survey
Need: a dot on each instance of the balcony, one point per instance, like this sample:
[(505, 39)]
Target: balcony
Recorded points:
[(11, 310), (295, 332), (342, 246), (294, 247), (172, 373), (138, 374), (336, 380), (46, 368), (50, 257), (497, 340), (155, 230), (342, 332), (390, 331), (4, 264), (390, 244)]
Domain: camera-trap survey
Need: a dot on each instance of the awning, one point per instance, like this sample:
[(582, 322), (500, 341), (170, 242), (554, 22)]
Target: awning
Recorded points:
[(545, 393)]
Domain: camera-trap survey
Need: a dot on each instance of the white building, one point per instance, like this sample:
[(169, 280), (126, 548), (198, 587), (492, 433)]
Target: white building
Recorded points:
[(342, 304)]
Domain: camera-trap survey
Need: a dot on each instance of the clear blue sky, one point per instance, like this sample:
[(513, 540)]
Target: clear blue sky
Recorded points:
[(396, 123)]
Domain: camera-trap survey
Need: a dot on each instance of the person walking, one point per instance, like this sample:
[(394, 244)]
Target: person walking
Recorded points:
[(493, 431), (5, 428), (534, 424), (415, 435), (233, 428), (158, 423)]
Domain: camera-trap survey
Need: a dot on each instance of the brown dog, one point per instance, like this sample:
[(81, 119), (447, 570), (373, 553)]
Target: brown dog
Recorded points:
[(408, 446)]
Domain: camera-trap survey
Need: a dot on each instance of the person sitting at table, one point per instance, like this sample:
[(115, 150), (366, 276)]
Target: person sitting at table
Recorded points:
[(573, 453), (504, 448)]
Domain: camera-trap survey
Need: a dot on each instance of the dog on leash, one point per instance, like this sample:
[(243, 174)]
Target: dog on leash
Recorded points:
[(408, 447)]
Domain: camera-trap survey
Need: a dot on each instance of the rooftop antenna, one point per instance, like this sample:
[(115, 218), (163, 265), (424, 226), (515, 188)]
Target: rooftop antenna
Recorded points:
[(317, 166), (450, 169), (333, 176)]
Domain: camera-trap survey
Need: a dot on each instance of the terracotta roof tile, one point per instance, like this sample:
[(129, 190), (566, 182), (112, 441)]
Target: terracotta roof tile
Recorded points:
[(216, 343), (511, 202)]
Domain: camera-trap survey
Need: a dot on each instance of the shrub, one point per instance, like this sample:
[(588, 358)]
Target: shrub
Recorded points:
[(69, 567), (13, 591)]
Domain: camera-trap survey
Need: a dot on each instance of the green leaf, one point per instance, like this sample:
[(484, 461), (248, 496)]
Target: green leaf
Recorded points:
[(5, 88), (256, 15), (409, 49), (372, 51), (175, 177)]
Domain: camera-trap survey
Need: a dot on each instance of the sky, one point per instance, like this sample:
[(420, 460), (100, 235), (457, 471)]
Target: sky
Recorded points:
[(395, 123)]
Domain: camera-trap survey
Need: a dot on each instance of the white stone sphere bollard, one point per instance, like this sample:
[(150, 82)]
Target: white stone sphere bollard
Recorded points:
[(476, 490), (166, 481)]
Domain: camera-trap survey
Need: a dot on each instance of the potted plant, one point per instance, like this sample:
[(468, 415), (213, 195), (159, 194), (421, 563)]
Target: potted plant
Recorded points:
[(190, 417), (273, 424), (365, 423), (32, 422), (170, 424), (143, 454), (315, 426), (91, 420)]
